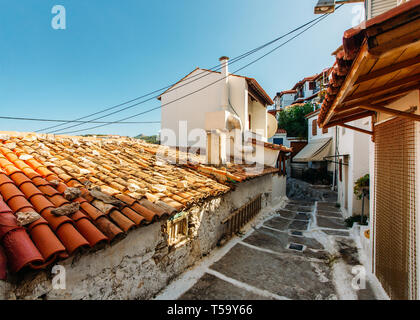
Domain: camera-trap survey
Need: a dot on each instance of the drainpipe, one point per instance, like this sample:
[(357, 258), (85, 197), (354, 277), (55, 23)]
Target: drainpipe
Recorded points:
[(335, 159)]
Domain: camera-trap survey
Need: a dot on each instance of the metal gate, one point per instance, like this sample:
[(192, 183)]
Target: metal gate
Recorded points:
[(395, 254)]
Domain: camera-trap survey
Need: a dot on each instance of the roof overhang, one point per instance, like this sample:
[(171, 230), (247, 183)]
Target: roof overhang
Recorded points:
[(258, 92), (379, 63)]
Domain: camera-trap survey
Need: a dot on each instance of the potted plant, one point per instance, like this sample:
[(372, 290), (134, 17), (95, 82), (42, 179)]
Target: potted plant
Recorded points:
[(361, 190), (361, 186)]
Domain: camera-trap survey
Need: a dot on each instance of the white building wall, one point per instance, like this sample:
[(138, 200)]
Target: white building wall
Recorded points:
[(356, 145), (287, 99), (238, 97), (258, 114), (306, 91), (319, 134), (192, 108)]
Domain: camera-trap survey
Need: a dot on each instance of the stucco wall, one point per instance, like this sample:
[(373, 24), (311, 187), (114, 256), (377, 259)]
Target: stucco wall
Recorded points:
[(287, 99), (356, 146), (319, 134), (238, 96), (141, 265), (194, 107), (258, 114)]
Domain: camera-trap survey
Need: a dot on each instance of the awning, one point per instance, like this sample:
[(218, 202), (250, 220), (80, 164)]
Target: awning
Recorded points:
[(315, 150)]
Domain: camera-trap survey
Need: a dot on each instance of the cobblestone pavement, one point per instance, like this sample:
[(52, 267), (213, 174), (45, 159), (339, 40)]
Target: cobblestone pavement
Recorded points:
[(304, 251)]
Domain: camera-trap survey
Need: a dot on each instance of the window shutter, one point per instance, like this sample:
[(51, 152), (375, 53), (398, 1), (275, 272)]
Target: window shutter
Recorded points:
[(249, 121), (314, 127), (340, 170), (311, 85), (324, 130)]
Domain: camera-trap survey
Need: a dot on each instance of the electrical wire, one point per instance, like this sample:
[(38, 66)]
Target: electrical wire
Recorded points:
[(205, 72), (70, 121), (198, 90)]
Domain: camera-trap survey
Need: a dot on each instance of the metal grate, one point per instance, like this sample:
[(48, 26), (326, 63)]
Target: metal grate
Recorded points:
[(241, 216), (395, 208)]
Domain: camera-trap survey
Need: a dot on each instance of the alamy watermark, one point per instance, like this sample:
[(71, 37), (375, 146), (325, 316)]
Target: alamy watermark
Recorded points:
[(359, 280), (234, 146), (59, 279), (59, 20)]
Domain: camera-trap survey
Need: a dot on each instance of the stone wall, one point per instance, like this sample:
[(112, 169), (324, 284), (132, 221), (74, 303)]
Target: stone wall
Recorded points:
[(301, 190), (142, 264)]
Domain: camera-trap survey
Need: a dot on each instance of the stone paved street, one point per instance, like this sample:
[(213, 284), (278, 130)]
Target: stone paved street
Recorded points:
[(303, 251)]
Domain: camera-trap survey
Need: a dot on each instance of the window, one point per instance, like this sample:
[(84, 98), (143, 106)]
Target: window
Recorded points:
[(249, 122), (324, 130), (314, 127), (311, 85), (278, 140), (177, 228)]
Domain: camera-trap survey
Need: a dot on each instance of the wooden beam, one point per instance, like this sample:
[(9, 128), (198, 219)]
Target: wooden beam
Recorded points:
[(384, 88), (401, 114), (388, 69), (345, 111), (398, 37), (355, 128), (381, 98), (348, 119)]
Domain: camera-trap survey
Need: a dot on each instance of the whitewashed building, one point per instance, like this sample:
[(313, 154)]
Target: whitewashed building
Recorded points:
[(223, 113)]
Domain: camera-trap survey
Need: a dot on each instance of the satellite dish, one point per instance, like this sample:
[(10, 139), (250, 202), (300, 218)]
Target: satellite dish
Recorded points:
[(272, 125)]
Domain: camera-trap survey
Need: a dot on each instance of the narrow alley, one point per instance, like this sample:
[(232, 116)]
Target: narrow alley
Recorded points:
[(303, 251)]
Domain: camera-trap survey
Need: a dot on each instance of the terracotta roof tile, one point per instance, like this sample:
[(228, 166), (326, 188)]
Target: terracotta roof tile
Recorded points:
[(121, 220), (3, 264), (133, 216), (108, 228), (35, 175), (71, 238), (90, 232)]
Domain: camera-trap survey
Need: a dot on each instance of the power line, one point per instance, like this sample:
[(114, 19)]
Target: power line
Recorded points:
[(69, 121), (232, 61), (191, 93)]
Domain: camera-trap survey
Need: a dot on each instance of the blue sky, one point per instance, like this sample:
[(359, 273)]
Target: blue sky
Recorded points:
[(112, 51)]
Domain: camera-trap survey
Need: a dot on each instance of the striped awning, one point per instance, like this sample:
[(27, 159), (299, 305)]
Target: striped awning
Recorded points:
[(315, 150)]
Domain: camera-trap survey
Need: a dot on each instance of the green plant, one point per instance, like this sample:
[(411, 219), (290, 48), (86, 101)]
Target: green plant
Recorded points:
[(361, 184), (149, 139), (350, 221), (292, 119)]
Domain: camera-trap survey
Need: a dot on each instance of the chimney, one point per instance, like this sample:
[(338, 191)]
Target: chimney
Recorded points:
[(225, 82)]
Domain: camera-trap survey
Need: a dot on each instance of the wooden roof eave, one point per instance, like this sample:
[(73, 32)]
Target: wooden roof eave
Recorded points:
[(350, 80), (401, 77)]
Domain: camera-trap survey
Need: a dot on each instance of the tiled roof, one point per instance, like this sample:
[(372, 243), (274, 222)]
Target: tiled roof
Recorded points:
[(280, 130), (109, 187), (353, 40), (311, 78)]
